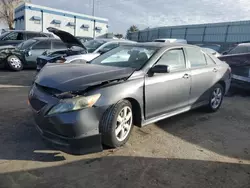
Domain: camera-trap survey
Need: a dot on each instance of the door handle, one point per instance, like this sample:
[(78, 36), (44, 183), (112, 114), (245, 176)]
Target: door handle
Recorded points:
[(215, 70), (186, 76)]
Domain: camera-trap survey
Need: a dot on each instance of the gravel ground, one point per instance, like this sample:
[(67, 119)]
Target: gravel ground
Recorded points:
[(194, 149)]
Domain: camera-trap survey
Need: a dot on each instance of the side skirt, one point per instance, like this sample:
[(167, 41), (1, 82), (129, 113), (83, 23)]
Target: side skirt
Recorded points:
[(173, 113)]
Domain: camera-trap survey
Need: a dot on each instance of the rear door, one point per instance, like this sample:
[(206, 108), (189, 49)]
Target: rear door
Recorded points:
[(203, 72), (167, 92)]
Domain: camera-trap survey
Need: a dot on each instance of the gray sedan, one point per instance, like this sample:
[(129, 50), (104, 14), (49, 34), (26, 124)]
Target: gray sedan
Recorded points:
[(87, 105)]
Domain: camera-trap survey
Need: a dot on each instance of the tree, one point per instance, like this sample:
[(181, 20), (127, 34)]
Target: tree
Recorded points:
[(119, 36), (7, 8), (132, 29)]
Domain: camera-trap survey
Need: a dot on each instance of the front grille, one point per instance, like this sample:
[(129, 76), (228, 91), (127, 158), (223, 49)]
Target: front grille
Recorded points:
[(37, 104)]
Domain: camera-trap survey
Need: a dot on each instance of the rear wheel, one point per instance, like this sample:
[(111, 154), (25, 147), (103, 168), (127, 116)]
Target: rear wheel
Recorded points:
[(117, 124), (14, 63), (216, 98)]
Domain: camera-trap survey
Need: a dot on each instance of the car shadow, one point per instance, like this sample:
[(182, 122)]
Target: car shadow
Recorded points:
[(225, 132), (128, 171), (234, 91)]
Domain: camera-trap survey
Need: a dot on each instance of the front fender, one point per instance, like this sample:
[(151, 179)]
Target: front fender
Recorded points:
[(129, 89)]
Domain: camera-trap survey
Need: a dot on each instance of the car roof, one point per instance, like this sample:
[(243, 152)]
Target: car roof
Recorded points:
[(114, 40), (161, 45), (170, 39), (46, 38), (24, 31), (244, 44)]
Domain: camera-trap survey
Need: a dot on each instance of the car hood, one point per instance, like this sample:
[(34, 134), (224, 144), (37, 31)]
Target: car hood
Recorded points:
[(78, 77), (66, 37), (7, 47)]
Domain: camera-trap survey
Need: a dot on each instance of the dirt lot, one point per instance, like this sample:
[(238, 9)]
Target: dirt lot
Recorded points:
[(190, 150)]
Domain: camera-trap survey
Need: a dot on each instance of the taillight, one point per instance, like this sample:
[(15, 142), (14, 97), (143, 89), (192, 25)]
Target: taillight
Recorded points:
[(229, 69)]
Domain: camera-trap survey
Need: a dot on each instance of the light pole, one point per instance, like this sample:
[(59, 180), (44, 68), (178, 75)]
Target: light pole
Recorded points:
[(93, 14)]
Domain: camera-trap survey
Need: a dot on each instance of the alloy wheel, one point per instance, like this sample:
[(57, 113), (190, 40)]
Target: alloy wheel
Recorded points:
[(216, 98), (123, 123)]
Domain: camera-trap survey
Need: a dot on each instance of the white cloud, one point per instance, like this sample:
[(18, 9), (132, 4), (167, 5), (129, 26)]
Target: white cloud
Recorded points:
[(145, 13)]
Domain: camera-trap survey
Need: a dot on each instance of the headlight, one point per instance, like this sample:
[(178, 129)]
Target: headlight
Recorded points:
[(74, 104)]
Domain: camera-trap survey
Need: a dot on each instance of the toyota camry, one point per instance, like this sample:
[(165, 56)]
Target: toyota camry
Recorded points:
[(81, 106)]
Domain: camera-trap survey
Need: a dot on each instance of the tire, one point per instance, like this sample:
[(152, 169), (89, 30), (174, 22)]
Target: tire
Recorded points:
[(14, 63), (114, 124), (216, 98)]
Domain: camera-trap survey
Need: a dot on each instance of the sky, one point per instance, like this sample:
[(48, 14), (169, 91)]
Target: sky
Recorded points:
[(153, 13)]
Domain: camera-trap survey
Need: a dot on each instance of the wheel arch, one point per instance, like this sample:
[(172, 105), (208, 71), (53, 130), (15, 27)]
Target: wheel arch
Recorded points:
[(223, 84), (137, 111)]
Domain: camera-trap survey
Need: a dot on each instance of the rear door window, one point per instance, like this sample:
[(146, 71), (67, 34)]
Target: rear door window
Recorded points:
[(196, 57), (42, 45), (174, 59)]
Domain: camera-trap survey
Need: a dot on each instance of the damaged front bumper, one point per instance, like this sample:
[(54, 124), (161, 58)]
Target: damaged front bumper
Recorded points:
[(75, 146), (75, 132)]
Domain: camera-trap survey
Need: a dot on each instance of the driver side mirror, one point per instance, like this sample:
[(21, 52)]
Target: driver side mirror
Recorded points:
[(160, 69), (28, 53), (225, 53)]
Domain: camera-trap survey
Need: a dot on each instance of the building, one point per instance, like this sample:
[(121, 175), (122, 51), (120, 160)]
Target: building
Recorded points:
[(37, 18), (224, 34)]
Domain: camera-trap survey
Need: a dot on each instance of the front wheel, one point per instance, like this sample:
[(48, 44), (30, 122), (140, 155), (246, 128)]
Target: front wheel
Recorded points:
[(117, 124), (14, 63), (216, 98)]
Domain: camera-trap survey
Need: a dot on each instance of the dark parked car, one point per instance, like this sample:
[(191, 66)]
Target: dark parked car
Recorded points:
[(96, 46), (25, 54), (74, 47), (83, 105), (239, 60), (215, 47), (16, 37)]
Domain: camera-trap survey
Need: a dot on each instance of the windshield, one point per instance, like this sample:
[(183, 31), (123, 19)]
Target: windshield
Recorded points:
[(26, 44), (92, 45), (240, 49), (126, 56)]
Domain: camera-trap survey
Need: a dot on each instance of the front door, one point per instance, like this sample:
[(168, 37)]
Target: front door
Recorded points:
[(167, 92), (37, 50)]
